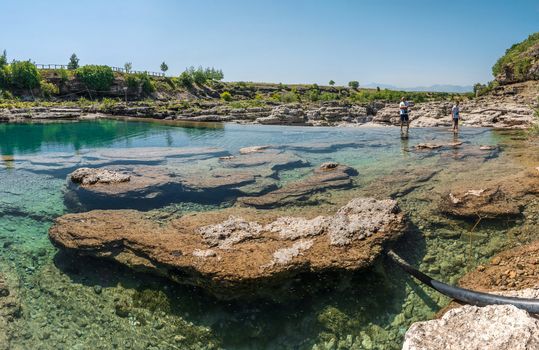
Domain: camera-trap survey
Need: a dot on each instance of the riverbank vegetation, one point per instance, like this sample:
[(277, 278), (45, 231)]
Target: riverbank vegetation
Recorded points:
[(22, 83)]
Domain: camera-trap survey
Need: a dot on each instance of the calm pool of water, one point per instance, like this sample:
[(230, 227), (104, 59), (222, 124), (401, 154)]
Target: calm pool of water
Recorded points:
[(76, 303)]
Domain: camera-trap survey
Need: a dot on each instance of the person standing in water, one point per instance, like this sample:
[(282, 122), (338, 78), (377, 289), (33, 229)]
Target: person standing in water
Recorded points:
[(403, 110), (455, 114)]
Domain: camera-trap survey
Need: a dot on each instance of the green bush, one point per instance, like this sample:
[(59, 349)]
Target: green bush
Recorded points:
[(24, 75), (288, 97), (97, 78), (3, 59), (199, 76), (5, 77), (64, 75), (226, 96), (49, 89), (185, 79), (331, 82), (353, 84), (146, 83), (6, 95), (314, 95), (328, 96), (140, 81)]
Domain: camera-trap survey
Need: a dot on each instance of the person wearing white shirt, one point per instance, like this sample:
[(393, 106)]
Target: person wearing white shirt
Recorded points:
[(403, 110)]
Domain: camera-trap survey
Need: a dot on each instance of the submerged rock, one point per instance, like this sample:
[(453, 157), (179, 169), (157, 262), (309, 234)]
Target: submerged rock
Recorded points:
[(470, 327), (322, 179), (492, 198), (9, 311), (235, 256), (515, 268)]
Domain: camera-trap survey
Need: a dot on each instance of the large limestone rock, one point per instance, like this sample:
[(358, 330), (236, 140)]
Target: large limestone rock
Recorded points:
[(285, 114), (235, 256), (476, 328), (92, 176)]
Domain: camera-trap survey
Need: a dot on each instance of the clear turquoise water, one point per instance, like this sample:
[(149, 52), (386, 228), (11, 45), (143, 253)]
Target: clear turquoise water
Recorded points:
[(72, 303)]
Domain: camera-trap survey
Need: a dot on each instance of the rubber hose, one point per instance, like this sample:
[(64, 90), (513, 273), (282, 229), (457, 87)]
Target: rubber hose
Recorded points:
[(465, 295)]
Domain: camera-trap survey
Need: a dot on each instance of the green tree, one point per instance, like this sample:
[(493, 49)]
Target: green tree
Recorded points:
[(73, 62), (24, 75), (128, 66), (164, 67), (185, 79), (3, 59), (353, 84), (331, 82)]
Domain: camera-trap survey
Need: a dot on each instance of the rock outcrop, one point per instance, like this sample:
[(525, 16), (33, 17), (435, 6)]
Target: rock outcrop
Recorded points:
[(285, 114), (235, 256), (470, 328)]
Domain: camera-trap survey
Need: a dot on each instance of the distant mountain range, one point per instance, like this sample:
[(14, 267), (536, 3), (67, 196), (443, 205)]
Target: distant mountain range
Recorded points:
[(434, 88)]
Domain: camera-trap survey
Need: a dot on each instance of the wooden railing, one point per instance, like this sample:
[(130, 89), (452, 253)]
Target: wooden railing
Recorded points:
[(114, 69)]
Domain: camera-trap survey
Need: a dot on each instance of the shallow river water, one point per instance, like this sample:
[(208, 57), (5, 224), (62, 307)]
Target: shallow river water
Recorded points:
[(69, 302)]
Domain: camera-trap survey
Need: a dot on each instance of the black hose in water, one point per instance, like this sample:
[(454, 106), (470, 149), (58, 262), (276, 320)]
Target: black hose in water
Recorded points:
[(465, 295)]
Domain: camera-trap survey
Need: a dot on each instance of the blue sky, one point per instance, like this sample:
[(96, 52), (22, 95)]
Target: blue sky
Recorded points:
[(405, 43)]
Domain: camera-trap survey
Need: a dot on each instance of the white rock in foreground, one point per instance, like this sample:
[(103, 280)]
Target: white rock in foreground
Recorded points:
[(493, 327)]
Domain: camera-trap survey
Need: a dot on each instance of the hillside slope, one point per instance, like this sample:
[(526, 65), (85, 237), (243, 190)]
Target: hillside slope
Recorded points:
[(520, 62)]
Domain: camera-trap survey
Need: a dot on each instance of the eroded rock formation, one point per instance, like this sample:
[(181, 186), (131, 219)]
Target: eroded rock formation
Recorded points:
[(235, 256)]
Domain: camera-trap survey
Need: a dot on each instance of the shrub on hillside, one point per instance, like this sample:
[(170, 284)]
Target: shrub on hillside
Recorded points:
[(328, 96), (226, 96), (185, 79), (5, 77), (97, 78), (49, 89), (24, 75), (140, 81), (199, 76), (64, 75)]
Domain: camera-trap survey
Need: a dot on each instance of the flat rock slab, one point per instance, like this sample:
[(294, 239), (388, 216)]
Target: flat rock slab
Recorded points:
[(232, 256), (472, 328), (322, 179)]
